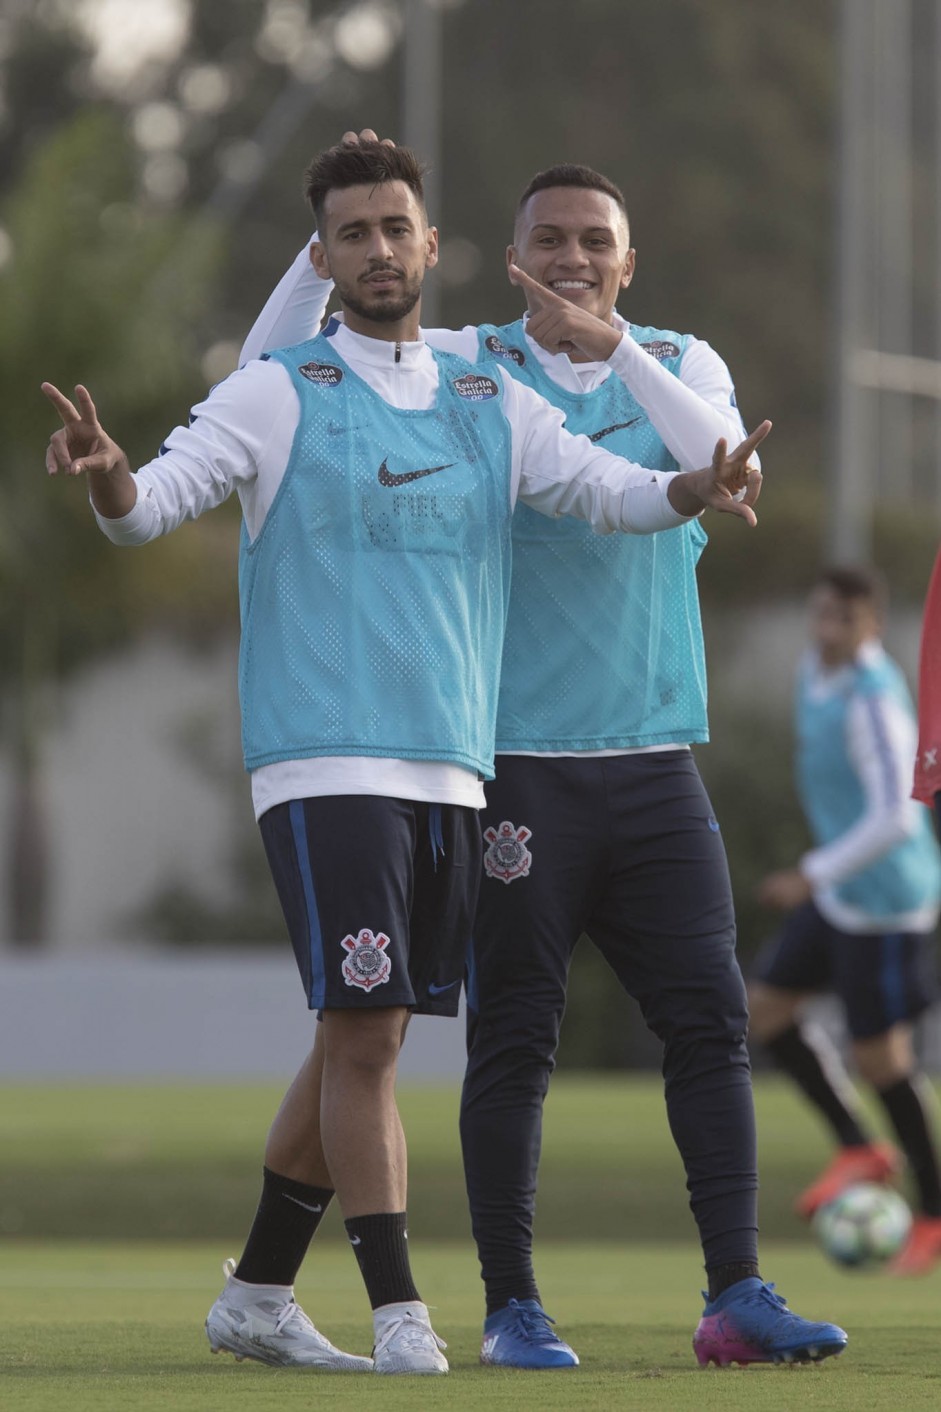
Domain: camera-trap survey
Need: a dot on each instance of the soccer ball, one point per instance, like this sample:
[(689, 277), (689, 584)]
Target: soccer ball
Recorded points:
[(865, 1225)]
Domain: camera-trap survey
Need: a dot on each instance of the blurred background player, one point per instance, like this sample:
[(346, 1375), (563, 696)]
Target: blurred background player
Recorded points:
[(863, 905), (598, 820)]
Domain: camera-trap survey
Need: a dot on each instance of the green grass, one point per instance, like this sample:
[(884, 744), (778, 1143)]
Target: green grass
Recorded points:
[(184, 1161), (114, 1326), (119, 1204)]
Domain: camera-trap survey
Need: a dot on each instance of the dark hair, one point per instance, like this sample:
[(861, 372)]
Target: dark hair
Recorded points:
[(570, 174), (368, 164), (852, 581)]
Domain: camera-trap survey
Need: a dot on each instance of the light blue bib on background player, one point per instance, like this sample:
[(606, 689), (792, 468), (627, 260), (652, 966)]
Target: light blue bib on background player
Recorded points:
[(909, 876), (580, 672), (373, 600)]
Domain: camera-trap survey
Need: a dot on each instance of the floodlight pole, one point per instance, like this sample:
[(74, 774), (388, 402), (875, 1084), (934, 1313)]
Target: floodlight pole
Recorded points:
[(849, 527), (421, 117)]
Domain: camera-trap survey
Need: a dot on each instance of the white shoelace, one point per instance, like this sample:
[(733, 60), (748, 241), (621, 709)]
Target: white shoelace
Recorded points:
[(292, 1313), (414, 1333)]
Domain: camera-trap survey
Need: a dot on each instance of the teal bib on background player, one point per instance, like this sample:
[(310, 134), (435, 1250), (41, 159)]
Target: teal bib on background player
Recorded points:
[(373, 599), (580, 672), (908, 877)]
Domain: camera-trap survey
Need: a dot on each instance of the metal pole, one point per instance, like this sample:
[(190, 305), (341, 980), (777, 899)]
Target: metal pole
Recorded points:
[(893, 285), (849, 525), (421, 123)]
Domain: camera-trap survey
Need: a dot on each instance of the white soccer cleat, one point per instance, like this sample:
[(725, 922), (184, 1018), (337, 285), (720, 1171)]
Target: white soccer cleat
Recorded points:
[(406, 1342), (265, 1322)]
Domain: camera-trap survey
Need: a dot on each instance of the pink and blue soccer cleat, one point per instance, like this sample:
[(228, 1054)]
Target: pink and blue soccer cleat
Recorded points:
[(749, 1323)]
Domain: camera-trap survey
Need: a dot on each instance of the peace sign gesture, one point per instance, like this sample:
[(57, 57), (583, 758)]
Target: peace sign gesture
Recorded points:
[(82, 446)]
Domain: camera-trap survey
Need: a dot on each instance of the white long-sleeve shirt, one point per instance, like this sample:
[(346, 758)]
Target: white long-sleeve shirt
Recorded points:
[(240, 439), (881, 739)]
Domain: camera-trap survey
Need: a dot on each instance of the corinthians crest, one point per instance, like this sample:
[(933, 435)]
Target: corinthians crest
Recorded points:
[(366, 963), (507, 858)]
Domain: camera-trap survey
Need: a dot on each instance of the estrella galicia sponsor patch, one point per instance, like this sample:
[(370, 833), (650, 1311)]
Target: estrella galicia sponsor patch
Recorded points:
[(475, 388), (499, 349), (660, 349), (366, 964), (323, 374), (507, 858)]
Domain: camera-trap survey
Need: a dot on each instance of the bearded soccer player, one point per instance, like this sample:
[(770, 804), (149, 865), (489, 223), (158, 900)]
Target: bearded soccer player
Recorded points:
[(597, 820), (377, 480)]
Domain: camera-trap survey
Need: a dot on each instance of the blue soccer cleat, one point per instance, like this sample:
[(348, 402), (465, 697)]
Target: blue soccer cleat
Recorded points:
[(749, 1323), (519, 1336)]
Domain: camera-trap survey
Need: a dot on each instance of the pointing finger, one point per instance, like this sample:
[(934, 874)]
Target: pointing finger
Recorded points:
[(63, 406)]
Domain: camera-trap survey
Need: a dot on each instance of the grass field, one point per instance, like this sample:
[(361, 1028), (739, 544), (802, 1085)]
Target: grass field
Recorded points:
[(119, 1205)]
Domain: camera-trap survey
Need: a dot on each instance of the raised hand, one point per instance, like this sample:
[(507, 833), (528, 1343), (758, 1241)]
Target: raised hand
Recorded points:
[(717, 486), (560, 326), (353, 139), (81, 445)]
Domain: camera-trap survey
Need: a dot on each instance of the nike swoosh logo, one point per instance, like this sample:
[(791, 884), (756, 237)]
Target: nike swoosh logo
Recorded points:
[(618, 426), (386, 477), (297, 1202), (356, 1240), (440, 989)]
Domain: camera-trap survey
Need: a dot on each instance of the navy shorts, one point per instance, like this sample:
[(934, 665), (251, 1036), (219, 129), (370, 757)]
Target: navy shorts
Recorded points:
[(882, 979), (378, 895)]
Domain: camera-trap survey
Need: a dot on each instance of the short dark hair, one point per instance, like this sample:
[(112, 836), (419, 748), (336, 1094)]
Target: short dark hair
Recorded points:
[(571, 174), (367, 164), (855, 581)]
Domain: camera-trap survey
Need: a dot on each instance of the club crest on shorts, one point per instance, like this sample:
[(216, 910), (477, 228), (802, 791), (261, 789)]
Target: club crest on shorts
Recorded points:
[(366, 964), (507, 858)]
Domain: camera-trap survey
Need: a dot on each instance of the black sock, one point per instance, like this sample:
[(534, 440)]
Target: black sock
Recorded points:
[(288, 1214), (380, 1244), (500, 1292), (808, 1064), (907, 1111), (724, 1276)]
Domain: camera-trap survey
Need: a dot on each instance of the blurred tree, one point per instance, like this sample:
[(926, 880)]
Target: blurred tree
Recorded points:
[(85, 292)]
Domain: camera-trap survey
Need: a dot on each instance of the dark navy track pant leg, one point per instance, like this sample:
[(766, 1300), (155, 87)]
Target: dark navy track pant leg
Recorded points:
[(524, 934), (665, 923), (626, 849)]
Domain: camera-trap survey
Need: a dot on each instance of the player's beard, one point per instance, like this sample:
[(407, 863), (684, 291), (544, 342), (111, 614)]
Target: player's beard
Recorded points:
[(384, 310)]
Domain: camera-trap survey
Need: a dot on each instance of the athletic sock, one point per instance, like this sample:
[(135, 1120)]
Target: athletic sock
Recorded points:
[(907, 1106), (808, 1057), (724, 1276), (380, 1244), (500, 1292), (288, 1214)]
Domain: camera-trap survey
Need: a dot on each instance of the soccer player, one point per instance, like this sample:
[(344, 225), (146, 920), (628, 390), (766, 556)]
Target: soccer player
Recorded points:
[(597, 820), (862, 904), (377, 481)]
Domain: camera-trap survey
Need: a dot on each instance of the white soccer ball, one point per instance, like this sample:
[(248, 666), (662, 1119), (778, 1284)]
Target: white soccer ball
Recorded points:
[(865, 1225)]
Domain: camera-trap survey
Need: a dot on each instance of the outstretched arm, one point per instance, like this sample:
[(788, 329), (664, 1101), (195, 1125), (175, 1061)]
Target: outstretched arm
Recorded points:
[(83, 447)]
